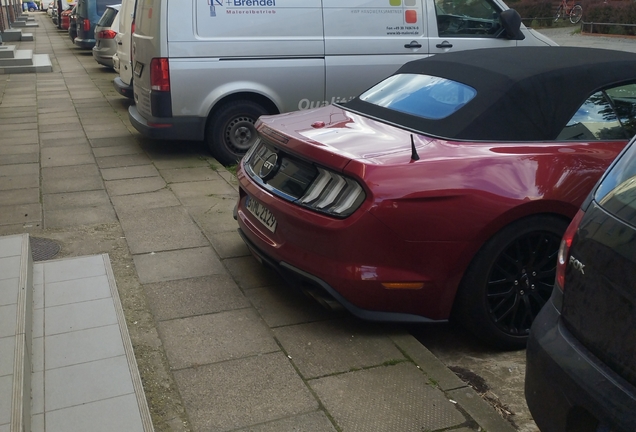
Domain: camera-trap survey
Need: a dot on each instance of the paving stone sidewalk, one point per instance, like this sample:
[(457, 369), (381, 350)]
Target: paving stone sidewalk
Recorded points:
[(222, 343)]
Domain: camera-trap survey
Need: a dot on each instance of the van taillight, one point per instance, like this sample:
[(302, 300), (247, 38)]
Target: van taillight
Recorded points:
[(159, 74), (564, 250), (87, 24)]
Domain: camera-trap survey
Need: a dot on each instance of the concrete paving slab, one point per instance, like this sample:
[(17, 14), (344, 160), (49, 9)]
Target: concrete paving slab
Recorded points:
[(407, 401), (73, 200), (32, 125), (335, 346), (196, 296), (160, 229), (192, 193), (21, 214), (180, 175), (129, 172), (249, 273), (118, 150), (66, 151), (59, 142), (19, 196), (72, 184), (19, 169), (70, 134), (150, 200), (19, 149), (109, 142), (68, 124), (6, 386), (213, 338), (79, 216), (229, 244), (123, 161), (29, 135), (178, 264), (473, 404), (110, 133), (312, 422), (243, 392), (282, 305), (7, 321), (134, 186), (67, 160), (19, 158), (7, 352), (171, 162)]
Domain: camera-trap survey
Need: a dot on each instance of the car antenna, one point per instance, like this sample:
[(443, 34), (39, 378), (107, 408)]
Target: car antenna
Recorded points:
[(414, 155)]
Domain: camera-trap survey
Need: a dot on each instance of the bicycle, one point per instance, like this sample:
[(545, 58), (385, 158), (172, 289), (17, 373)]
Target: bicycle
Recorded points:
[(575, 12)]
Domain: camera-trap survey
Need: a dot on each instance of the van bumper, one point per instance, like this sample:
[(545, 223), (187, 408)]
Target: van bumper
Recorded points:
[(123, 88), (172, 128), (84, 43)]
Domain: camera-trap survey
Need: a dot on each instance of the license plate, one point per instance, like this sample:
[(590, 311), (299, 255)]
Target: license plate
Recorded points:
[(261, 213)]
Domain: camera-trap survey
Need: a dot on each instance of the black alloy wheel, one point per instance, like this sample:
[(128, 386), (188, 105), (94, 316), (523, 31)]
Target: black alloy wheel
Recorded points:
[(509, 281)]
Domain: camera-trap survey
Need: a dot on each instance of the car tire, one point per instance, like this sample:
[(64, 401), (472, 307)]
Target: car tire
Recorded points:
[(31, 9), (231, 130), (509, 280)]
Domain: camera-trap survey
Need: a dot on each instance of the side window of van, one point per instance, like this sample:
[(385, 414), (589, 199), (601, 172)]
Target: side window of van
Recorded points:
[(467, 18)]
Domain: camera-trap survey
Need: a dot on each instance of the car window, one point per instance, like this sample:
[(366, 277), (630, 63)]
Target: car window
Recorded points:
[(107, 18), (423, 96), (102, 4), (624, 100), (617, 192), (467, 18), (594, 120)]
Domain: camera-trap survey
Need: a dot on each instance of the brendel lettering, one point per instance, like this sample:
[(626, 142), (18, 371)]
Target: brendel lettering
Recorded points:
[(251, 3)]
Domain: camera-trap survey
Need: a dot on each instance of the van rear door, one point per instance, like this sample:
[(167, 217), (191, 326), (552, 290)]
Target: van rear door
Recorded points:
[(366, 41)]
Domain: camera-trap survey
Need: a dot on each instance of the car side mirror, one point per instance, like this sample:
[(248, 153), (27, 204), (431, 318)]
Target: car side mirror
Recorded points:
[(511, 22)]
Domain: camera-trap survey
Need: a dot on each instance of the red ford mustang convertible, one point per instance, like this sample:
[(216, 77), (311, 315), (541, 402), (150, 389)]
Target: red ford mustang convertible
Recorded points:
[(444, 190)]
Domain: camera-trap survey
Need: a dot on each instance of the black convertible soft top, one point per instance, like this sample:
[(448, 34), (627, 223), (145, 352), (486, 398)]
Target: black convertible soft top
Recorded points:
[(523, 93)]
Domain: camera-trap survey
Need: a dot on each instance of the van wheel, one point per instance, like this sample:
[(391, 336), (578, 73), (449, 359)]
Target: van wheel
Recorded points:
[(509, 281), (231, 131)]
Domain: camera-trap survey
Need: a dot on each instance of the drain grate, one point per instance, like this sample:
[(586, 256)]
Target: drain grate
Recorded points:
[(43, 249)]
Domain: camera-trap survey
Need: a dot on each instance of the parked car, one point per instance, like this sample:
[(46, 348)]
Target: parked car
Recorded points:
[(444, 190), (225, 64), (105, 32), (581, 368), (88, 14), (121, 60), (30, 6), (66, 17)]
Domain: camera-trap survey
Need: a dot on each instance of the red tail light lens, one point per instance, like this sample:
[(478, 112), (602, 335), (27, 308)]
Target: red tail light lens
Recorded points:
[(107, 34), (160, 74), (564, 250), (87, 25)]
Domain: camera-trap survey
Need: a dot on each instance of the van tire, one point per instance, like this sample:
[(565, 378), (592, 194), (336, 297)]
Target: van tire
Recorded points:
[(231, 132)]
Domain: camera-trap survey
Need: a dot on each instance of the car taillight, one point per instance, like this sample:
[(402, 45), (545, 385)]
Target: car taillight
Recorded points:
[(334, 194), (564, 250), (160, 74), (107, 34), (87, 24)]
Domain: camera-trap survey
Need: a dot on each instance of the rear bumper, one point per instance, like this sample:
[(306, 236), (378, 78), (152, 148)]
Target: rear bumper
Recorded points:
[(565, 382), (84, 43), (168, 128), (323, 292), (122, 88)]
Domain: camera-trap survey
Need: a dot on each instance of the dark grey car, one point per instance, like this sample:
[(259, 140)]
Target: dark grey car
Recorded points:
[(581, 355)]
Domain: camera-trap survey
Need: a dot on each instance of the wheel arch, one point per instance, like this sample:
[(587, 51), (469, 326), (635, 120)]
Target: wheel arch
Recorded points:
[(270, 104), (558, 209)]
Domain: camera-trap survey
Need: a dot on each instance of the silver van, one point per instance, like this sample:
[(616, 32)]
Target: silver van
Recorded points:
[(208, 70)]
